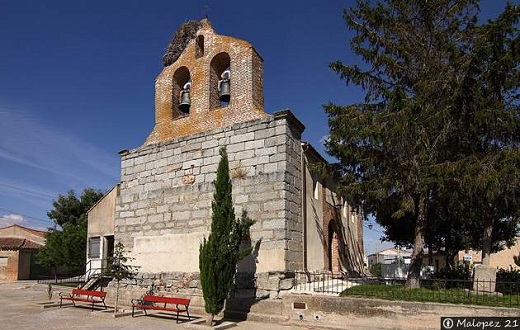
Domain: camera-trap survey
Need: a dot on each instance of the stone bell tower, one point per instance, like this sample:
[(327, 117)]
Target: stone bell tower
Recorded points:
[(209, 81)]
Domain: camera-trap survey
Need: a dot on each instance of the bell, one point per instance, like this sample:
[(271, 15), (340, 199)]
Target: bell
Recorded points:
[(184, 103), (223, 93)]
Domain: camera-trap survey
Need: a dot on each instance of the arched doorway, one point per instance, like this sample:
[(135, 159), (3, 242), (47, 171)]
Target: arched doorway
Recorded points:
[(333, 251)]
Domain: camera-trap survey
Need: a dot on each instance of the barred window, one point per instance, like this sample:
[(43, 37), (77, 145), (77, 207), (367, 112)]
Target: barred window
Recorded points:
[(94, 245)]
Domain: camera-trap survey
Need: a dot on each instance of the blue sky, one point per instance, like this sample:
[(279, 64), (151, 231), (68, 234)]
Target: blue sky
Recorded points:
[(77, 83)]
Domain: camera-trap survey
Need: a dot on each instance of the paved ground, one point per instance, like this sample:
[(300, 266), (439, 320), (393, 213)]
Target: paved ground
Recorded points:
[(21, 310)]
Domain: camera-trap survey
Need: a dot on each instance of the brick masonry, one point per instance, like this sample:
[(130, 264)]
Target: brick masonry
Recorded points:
[(206, 113), (9, 265)]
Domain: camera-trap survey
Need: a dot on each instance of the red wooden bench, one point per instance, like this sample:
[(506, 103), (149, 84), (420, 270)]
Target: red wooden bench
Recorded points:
[(162, 303), (87, 296)]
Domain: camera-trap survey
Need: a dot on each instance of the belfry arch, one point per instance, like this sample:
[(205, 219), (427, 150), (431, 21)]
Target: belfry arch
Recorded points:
[(180, 78), (219, 64)]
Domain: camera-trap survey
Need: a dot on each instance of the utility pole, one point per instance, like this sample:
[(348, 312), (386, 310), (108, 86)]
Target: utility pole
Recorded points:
[(377, 251)]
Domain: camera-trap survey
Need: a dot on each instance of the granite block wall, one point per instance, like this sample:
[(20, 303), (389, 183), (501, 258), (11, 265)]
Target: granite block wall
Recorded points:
[(164, 207)]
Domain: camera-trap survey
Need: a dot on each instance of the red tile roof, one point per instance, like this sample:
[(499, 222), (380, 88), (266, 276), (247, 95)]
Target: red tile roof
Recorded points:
[(15, 243)]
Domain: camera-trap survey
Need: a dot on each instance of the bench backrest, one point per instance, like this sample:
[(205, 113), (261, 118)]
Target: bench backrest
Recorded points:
[(81, 292), (168, 300)]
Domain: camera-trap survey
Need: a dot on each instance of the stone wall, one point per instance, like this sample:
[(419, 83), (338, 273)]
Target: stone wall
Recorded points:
[(164, 207), (269, 285)]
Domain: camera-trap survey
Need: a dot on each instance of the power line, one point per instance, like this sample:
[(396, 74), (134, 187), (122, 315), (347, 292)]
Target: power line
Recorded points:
[(26, 215), (370, 227)]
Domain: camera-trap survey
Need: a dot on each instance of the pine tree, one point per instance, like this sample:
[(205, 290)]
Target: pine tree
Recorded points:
[(487, 141), (219, 254), (412, 138)]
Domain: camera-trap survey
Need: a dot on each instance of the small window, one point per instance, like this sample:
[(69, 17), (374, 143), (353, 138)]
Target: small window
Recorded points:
[(94, 247), (3, 261), (344, 209), (316, 188), (353, 216), (199, 51)]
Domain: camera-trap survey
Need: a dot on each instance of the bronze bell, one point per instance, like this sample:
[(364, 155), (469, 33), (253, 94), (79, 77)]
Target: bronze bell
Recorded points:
[(223, 93), (184, 98), (184, 103)]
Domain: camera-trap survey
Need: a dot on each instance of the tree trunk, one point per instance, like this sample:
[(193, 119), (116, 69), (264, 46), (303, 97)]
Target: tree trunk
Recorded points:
[(430, 255), (209, 319), (49, 291), (117, 298), (414, 272), (486, 241), (449, 257), (484, 275)]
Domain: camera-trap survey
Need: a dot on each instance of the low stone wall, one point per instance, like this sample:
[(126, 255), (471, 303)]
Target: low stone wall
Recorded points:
[(271, 285), (341, 311), (315, 311)]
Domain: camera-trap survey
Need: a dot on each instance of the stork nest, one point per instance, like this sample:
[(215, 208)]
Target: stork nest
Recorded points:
[(180, 39)]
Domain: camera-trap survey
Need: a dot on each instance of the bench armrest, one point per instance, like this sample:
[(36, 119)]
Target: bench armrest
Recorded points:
[(65, 294), (137, 302), (181, 307)]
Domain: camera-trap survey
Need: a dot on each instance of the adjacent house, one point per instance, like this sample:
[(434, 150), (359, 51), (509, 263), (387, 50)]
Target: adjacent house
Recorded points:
[(389, 256), (100, 232), (208, 96), (502, 259), (18, 246)]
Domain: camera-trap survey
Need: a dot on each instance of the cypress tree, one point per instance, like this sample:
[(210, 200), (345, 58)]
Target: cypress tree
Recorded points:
[(220, 252)]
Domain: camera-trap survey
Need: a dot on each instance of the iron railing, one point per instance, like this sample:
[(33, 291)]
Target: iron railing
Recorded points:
[(475, 292), (80, 278), (61, 279), (321, 282)]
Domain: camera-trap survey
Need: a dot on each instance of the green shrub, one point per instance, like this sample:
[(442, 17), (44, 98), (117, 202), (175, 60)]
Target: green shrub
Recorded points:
[(459, 272), (451, 277), (375, 269), (508, 281)]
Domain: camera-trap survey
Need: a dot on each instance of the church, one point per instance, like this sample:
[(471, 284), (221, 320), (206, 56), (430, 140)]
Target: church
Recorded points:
[(210, 95)]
